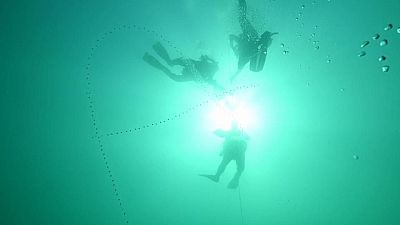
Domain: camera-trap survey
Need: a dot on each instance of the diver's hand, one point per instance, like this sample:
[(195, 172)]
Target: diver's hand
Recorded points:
[(220, 133)]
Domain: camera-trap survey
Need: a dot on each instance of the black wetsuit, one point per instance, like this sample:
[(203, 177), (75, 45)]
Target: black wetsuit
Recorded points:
[(249, 46)]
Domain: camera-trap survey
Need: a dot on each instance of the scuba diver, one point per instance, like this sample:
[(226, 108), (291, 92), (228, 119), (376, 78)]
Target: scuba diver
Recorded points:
[(234, 148), (249, 46), (193, 70)]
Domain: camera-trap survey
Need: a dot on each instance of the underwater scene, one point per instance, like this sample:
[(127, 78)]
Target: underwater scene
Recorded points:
[(200, 112)]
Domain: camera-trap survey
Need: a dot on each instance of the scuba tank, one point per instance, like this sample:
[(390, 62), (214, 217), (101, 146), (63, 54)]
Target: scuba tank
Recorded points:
[(257, 62)]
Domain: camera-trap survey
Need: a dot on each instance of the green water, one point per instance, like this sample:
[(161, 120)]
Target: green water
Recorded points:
[(325, 133)]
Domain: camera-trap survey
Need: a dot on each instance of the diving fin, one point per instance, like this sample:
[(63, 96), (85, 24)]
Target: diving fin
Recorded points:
[(162, 52), (155, 63), (214, 178)]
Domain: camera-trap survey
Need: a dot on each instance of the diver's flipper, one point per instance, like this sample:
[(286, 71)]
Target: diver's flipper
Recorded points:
[(155, 63), (214, 178), (162, 52)]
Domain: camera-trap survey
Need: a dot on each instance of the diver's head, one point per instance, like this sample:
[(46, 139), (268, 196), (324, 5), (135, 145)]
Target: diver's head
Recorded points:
[(266, 38), (268, 35)]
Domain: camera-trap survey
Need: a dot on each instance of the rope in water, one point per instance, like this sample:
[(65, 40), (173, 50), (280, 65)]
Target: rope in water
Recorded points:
[(241, 207), (92, 109), (91, 104)]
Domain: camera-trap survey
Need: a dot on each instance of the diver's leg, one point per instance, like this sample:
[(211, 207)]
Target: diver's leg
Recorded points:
[(247, 28), (179, 62), (162, 52), (180, 78), (234, 183), (225, 161), (243, 7), (243, 14), (156, 64), (221, 168)]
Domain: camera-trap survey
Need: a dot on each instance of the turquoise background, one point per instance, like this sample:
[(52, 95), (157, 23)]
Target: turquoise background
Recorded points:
[(324, 146)]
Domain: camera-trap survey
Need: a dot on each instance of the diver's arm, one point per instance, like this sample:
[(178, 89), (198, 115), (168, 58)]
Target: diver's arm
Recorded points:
[(220, 133)]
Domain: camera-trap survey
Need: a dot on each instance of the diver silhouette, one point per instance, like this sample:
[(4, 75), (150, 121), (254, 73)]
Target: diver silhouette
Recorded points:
[(203, 69), (234, 148), (249, 46)]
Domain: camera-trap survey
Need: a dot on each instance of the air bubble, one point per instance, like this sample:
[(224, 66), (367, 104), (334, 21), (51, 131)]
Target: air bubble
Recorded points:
[(385, 69), (388, 27), (383, 43), (376, 37), (362, 54), (365, 43)]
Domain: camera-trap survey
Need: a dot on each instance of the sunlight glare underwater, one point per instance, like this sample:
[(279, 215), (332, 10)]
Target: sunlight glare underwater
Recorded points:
[(232, 108)]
